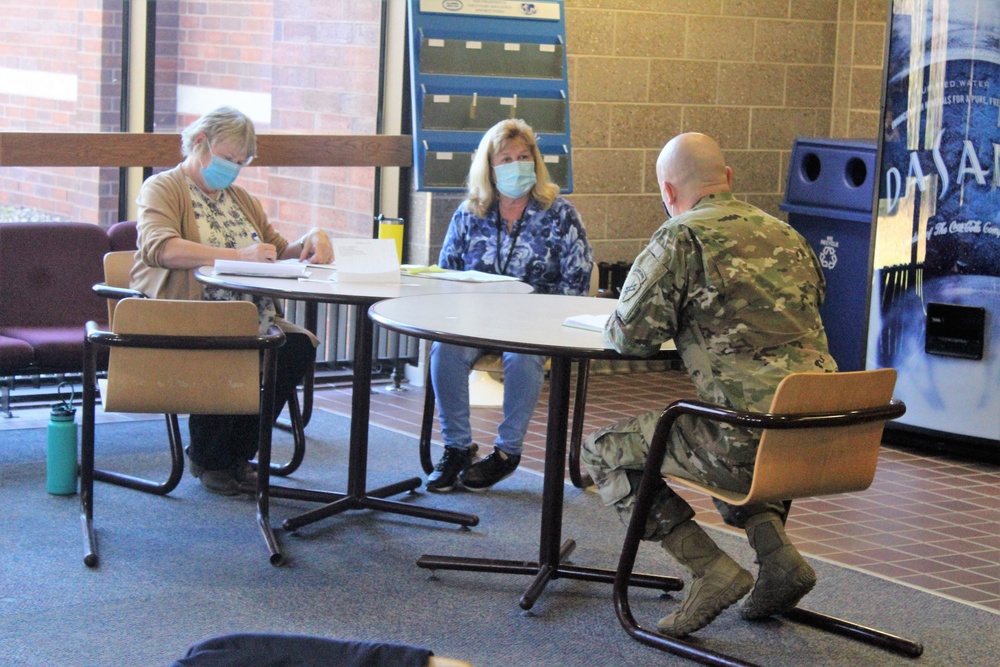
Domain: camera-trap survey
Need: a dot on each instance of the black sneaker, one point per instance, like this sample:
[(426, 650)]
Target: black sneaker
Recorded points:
[(445, 474), (483, 474)]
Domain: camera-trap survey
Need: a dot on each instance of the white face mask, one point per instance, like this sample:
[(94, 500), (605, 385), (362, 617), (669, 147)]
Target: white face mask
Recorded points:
[(515, 178)]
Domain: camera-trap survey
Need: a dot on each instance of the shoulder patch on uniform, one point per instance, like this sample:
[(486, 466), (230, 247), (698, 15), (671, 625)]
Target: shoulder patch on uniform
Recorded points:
[(637, 277)]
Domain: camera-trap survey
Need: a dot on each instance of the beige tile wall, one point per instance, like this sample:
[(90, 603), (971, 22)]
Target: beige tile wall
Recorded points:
[(754, 74)]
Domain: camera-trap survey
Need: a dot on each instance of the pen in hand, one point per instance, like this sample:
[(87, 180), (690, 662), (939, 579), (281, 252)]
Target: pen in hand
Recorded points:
[(265, 256)]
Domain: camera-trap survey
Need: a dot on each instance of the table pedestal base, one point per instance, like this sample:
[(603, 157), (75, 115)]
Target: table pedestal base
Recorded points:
[(357, 496), (544, 573), (335, 503)]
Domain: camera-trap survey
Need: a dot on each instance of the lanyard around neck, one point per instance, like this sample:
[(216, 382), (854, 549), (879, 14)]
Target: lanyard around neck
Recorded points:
[(513, 245)]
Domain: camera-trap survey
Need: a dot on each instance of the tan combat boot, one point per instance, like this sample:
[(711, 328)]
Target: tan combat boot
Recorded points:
[(784, 577), (718, 580)]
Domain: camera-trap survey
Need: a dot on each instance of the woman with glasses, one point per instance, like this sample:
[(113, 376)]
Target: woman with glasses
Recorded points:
[(192, 215), (513, 222)]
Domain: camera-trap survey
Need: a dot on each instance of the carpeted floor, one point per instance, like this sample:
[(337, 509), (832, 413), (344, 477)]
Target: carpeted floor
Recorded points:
[(176, 570)]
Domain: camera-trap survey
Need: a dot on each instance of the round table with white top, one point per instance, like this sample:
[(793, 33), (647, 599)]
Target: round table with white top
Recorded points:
[(322, 286), (531, 324)]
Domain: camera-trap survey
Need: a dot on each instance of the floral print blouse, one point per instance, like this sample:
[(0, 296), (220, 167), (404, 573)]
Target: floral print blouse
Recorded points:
[(548, 249)]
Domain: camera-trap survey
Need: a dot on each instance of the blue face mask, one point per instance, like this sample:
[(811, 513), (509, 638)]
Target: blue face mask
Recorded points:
[(515, 178), (220, 173)]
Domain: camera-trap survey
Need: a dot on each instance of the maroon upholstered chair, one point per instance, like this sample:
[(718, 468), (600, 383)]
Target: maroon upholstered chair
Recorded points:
[(123, 236), (46, 273)]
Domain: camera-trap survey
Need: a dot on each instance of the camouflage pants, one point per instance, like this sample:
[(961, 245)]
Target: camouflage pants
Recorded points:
[(616, 455)]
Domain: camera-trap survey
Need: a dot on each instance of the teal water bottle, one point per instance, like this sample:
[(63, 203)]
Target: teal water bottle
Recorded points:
[(60, 460)]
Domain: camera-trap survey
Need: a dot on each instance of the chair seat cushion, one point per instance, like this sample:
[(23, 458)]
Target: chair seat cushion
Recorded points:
[(56, 349), (274, 650), (15, 354)]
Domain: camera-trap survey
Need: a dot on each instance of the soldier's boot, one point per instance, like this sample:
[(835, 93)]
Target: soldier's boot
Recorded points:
[(718, 580), (784, 577)]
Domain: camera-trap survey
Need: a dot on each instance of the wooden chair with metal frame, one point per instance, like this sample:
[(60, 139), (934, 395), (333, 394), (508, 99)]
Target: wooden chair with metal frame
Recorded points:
[(180, 357), (117, 269), (820, 437)]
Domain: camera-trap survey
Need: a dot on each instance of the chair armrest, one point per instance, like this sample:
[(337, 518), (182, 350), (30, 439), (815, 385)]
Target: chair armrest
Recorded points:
[(893, 410), (274, 338), (109, 292)]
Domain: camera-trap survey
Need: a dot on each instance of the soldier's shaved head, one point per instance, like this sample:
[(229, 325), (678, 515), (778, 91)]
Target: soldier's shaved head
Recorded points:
[(689, 167)]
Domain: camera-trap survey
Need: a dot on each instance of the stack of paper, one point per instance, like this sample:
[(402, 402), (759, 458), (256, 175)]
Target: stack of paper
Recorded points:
[(468, 276), (435, 271), (234, 267), (588, 322)]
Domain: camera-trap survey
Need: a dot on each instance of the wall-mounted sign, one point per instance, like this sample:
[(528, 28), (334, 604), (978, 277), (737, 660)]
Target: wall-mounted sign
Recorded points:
[(511, 9)]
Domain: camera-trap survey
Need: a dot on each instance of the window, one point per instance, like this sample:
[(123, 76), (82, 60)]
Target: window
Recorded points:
[(60, 71), (303, 67), (295, 67)]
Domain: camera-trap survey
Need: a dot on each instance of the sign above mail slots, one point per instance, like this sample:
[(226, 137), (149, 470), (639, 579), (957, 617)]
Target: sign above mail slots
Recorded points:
[(474, 63), (504, 8)]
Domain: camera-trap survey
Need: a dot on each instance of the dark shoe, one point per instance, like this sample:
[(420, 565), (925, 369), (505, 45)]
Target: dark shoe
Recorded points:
[(445, 473), (246, 476), (483, 474), (220, 482), (196, 470)]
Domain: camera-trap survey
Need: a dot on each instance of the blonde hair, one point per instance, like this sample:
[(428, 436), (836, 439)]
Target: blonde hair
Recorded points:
[(221, 124), (482, 189)]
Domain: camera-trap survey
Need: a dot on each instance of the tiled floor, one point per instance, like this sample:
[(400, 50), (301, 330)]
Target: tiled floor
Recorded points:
[(928, 521)]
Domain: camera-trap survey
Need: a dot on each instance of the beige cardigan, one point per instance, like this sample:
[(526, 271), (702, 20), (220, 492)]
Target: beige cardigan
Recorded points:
[(166, 212)]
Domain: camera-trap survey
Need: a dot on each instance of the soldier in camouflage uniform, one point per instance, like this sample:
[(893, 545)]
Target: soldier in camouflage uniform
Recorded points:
[(739, 292)]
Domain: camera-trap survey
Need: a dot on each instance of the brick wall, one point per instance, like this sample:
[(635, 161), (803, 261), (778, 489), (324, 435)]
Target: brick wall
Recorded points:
[(755, 74), (857, 89), (316, 63), (71, 53), (312, 65)]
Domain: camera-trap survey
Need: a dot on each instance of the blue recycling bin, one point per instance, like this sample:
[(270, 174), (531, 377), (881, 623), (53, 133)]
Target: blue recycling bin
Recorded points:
[(829, 200)]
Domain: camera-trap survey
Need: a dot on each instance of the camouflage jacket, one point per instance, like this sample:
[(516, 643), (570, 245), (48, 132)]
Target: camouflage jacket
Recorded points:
[(739, 292)]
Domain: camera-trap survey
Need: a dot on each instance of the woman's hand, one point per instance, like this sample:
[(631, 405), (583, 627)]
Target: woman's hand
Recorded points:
[(315, 247), (257, 252)]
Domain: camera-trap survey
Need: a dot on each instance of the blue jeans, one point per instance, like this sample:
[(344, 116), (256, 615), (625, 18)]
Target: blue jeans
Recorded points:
[(522, 383)]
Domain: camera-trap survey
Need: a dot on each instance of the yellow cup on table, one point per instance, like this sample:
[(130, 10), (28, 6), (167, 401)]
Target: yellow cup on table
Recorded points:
[(392, 228)]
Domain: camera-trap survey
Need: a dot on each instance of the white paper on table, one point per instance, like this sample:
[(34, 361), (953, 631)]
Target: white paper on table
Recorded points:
[(466, 276), (366, 261), (588, 322), (284, 269), (596, 323)]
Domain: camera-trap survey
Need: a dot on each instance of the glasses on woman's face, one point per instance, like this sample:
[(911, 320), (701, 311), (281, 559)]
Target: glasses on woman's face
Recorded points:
[(227, 154)]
